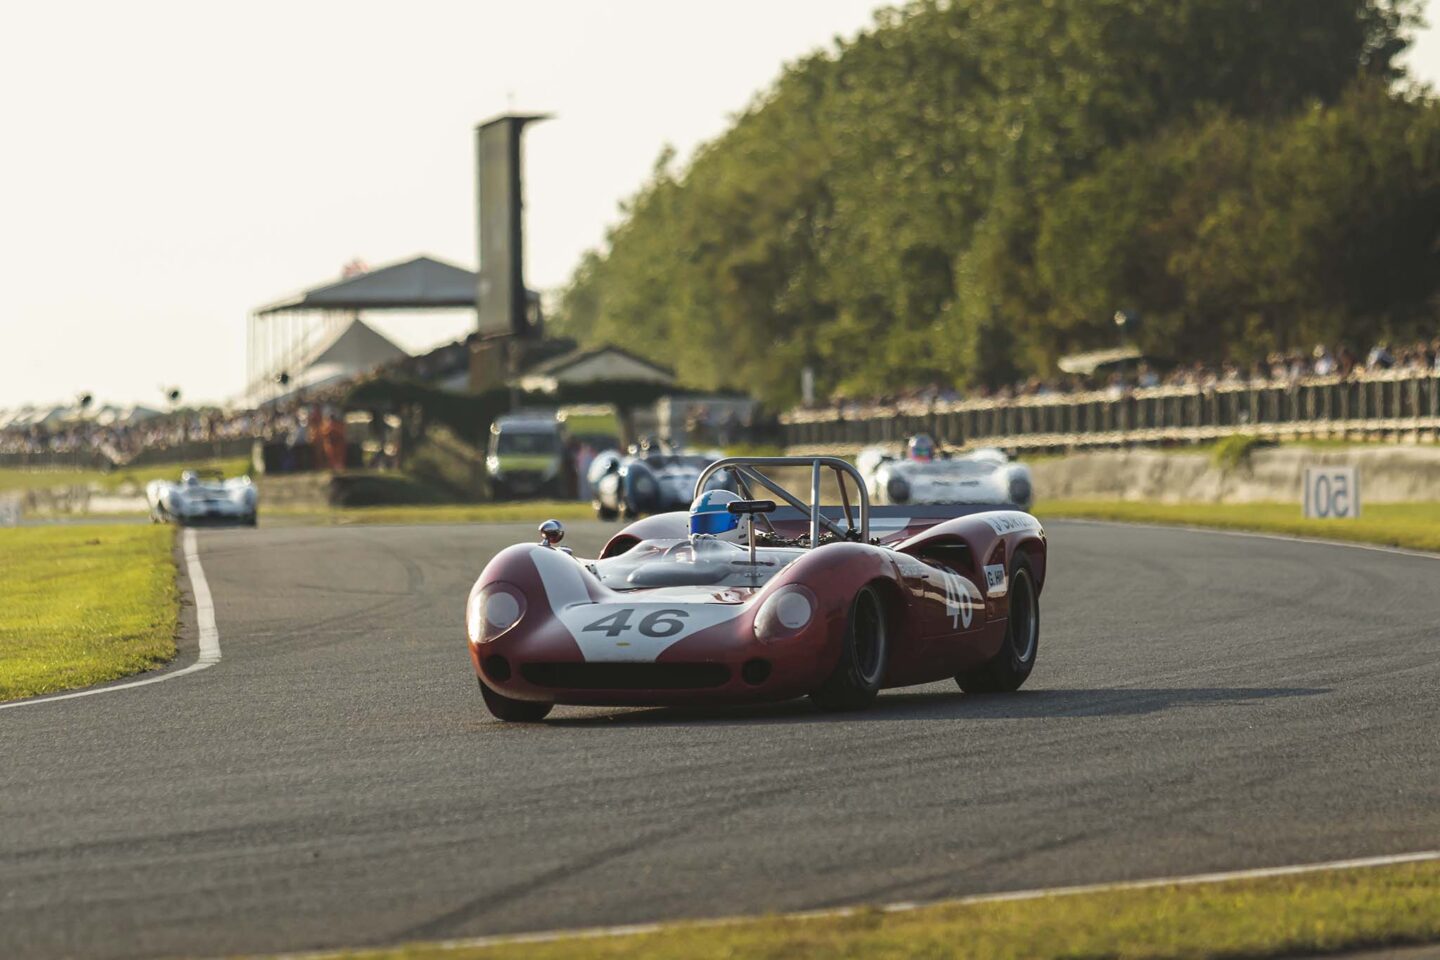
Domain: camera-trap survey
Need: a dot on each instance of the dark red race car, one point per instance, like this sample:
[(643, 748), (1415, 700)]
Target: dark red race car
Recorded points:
[(831, 602)]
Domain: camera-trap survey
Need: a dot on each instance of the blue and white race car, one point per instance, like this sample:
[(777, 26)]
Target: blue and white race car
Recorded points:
[(203, 496), (648, 479)]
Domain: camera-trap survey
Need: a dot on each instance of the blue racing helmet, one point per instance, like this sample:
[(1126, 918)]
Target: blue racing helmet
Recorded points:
[(710, 513)]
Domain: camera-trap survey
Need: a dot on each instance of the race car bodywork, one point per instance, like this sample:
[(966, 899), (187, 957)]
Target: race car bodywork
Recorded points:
[(984, 476), (891, 597), (630, 485), (203, 496)]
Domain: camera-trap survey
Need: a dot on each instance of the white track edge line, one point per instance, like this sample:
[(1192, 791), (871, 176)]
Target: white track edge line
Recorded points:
[(1282, 537), (204, 618), (596, 933)]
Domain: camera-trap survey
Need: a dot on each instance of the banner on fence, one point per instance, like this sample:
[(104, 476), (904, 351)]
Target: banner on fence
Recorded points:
[(1332, 493)]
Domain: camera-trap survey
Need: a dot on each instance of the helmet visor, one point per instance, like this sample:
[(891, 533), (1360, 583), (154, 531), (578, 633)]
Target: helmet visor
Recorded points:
[(713, 522)]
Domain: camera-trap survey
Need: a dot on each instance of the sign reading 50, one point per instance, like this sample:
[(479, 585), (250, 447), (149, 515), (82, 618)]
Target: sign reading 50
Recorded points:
[(1332, 493)]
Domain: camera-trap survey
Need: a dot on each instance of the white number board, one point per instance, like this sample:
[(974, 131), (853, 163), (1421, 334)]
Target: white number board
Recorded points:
[(1332, 493)]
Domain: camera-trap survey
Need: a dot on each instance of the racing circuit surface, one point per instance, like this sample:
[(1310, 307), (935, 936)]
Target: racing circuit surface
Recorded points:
[(1202, 702)]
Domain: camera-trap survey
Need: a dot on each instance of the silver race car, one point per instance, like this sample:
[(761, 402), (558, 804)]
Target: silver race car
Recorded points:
[(203, 496), (926, 475)]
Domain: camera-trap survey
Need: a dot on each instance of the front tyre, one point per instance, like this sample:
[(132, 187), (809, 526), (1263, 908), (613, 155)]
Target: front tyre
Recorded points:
[(855, 681), (515, 711), (1009, 668), (605, 513)]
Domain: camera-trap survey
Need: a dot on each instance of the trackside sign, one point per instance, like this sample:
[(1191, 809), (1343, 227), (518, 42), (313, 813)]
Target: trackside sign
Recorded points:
[(1332, 493)]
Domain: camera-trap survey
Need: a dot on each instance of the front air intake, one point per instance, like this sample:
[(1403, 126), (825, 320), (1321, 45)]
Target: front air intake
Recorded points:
[(627, 676)]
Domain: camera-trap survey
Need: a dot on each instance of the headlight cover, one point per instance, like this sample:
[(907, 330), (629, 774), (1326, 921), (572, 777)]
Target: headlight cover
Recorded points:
[(1020, 489), (785, 613), (493, 610), (897, 489)]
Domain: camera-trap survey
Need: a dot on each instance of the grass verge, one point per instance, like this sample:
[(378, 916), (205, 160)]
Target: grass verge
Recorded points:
[(1303, 914), (1412, 525), (19, 478), (534, 511), (83, 605)]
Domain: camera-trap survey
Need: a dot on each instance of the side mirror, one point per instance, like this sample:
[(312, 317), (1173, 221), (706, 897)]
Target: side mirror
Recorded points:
[(551, 533)]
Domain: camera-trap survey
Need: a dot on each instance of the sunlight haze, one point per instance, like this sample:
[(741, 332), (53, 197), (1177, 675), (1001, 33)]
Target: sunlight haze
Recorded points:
[(170, 166)]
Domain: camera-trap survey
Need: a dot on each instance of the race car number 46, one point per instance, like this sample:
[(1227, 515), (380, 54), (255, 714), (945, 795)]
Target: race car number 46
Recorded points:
[(660, 623)]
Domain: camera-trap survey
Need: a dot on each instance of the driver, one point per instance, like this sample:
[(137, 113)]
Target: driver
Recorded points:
[(710, 516), (920, 448)]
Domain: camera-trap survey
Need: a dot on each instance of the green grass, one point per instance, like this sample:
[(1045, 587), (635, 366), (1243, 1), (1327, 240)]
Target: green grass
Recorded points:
[(82, 605), (1412, 525), (17, 478), (1280, 916), (535, 511)]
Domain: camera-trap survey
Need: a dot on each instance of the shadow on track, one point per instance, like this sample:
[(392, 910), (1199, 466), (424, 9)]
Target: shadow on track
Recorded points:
[(1024, 705)]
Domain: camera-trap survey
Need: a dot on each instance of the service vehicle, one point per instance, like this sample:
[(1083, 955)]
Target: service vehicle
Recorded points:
[(203, 496), (525, 458), (744, 599)]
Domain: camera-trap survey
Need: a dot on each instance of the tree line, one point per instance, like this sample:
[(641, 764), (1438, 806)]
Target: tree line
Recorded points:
[(970, 189)]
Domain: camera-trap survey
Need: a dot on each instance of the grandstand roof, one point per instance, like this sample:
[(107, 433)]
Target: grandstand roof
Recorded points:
[(423, 283), (593, 365), (353, 349)]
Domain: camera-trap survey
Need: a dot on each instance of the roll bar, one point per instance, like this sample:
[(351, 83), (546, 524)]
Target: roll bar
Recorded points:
[(746, 469)]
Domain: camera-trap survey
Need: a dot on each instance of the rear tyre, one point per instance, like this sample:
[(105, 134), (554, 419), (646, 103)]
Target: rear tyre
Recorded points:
[(605, 513), (856, 679), (515, 711), (1009, 668)]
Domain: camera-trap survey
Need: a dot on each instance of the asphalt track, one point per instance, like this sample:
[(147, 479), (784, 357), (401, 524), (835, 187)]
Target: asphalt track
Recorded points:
[(1202, 702)]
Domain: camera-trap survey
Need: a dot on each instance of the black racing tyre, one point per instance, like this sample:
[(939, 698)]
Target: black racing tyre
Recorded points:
[(856, 679), (1009, 668), (604, 513), (515, 711)]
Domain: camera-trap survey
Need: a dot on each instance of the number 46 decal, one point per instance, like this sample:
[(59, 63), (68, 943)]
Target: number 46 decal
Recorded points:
[(661, 623)]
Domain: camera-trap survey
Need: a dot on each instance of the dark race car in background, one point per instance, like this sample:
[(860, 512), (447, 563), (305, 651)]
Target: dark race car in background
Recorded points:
[(831, 602), (649, 479)]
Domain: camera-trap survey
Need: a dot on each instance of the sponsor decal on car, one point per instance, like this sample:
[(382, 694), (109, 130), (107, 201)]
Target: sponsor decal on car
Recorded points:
[(995, 579), (1010, 521)]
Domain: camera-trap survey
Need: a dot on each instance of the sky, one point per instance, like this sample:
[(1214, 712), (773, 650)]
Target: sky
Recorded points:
[(169, 166)]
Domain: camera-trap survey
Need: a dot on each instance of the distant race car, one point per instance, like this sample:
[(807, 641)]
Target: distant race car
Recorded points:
[(985, 476), (203, 496), (647, 480), (831, 602)]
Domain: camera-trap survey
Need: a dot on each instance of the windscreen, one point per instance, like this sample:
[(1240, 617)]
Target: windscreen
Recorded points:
[(516, 442), (686, 563)]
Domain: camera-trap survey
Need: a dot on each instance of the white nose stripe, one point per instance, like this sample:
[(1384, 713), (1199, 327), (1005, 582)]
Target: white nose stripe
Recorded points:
[(560, 575), (631, 627)]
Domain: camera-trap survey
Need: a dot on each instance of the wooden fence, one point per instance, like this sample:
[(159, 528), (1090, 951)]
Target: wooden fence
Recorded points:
[(1382, 405)]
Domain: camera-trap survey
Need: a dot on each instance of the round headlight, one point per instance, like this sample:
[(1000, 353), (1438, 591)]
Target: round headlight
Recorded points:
[(785, 613), (492, 610), (897, 490), (1020, 489)]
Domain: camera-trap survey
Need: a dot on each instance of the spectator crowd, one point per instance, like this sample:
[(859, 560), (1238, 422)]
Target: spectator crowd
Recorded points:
[(1119, 378), (301, 421)]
